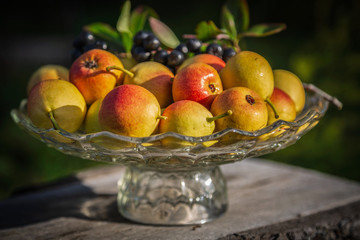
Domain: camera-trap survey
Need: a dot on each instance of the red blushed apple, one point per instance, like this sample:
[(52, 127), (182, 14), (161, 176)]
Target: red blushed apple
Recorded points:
[(198, 82), (284, 105), (88, 73), (210, 59)]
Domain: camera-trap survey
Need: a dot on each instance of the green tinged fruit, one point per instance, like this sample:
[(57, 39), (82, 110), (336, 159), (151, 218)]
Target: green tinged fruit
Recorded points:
[(251, 70)]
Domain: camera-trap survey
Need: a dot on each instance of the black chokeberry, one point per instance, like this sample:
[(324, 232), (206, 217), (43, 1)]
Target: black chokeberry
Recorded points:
[(228, 53), (175, 58), (193, 44), (161, 56), (88, 47), (100, 44), (215, 49), (139, 54), (140, 37), (85, 38), (182, 48), (151, 43)]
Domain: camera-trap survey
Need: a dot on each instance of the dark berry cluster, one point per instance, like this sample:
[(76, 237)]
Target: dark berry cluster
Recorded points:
[(176, 57), (144, 44), (217, 50), (86, 41), (147, 47)]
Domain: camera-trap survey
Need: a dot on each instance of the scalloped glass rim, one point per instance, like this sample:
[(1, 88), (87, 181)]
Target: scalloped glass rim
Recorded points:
[(148, 151)]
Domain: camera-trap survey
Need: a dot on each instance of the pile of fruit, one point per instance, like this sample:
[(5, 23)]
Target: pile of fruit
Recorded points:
[(205, 95), (194, 89)]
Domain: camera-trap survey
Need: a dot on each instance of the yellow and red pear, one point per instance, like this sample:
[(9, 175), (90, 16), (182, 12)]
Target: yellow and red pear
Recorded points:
[(130, 110), (56, 102), (284, 105), (210, 59), (47, 72), (188, 118), (249, 111), (291, 85), (88, 73), (251, 70), (154, 76), (198, 82)]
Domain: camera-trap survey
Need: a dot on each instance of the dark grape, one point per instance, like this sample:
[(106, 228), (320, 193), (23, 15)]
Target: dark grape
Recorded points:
[(161, 56), (139, 54), (85, 38), (215, 49), (140, 37), (182, 48), (193, 44), (228, 53), (175, 58), (151, 43), (100, 44)]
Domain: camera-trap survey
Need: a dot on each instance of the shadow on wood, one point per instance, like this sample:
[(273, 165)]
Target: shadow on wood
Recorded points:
[(70, 200)]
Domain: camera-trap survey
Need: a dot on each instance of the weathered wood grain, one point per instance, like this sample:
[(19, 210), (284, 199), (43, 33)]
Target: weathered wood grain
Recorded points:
[(261, 194)]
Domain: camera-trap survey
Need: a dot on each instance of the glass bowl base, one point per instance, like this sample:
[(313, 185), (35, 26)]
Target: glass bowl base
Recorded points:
[(172, 197)]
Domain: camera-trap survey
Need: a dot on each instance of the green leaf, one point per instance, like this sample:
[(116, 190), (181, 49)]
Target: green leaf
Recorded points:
[(244, 15), (123, 26), (240, 12), (264, 29), (123, 23), (164, 33), (228, 22), (105, 31), (206, 30), (139, 16), (127, 40), (137, 19)]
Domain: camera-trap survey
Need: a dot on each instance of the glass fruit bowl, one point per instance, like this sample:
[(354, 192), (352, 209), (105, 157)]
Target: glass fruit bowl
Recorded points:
[(183, 184)]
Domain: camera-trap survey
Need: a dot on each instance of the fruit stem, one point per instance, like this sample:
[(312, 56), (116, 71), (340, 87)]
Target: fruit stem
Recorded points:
[(127, 72), (53, 121), (268, 101), (225, 114), (162, 117)]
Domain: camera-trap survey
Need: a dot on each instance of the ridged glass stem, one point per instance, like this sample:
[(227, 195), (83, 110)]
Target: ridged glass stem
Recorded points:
[(172, 198)]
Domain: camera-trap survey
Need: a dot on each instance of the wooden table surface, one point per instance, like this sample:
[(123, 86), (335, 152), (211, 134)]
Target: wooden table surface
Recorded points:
[(267, 200)]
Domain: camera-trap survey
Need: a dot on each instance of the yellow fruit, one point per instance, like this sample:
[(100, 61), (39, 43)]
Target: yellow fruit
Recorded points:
[(92, 124), (249, 111), (188, 118), (128, 62), (284, 105), (46, 72), (56, 99), (292, 86), (155, 77), (251, 70)]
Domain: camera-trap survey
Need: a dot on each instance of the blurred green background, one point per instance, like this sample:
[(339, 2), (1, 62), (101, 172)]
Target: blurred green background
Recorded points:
[(321, 45)]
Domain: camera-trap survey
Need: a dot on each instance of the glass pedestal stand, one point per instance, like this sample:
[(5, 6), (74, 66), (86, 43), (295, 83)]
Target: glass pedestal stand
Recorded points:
[(172, 197)]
